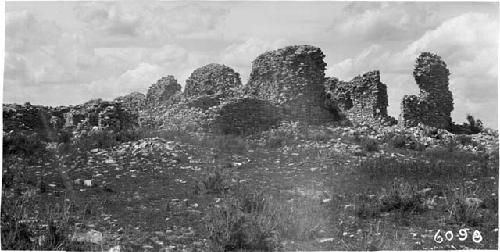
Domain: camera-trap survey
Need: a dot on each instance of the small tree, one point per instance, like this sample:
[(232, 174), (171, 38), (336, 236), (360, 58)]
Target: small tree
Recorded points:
[(475, 126)]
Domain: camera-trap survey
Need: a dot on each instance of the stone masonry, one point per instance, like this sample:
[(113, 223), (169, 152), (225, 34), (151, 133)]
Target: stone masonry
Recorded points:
[(361, 100), (292, 78), (212, 79), (162, 92), (434, 104)]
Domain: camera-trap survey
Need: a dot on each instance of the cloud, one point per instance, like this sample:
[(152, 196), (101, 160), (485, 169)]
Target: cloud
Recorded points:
[(467, 43), (149, 24), (240, 55), (384, 21)]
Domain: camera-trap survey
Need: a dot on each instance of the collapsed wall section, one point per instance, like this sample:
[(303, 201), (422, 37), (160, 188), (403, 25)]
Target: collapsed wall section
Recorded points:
[(362, 100)]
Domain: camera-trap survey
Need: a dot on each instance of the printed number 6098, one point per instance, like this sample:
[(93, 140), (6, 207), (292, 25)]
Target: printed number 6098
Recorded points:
[(462, 236)]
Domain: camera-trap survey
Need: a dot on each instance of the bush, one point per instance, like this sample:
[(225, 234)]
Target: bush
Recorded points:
[(50, 230), (24, 143), (464, 139), (214, 183), (258, 221), (397, 141), (243, 221), (369, 144)]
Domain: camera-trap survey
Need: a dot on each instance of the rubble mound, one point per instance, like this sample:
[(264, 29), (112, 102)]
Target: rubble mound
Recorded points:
[(212, 79), (244, 116), (162, 93), (132, 101), (434, 104), (101, 114)]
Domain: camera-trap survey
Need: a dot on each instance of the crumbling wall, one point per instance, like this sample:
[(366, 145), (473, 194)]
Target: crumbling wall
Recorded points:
[(292, 78), (244, 116), (362, 100), (434, 104), (162, 92), (101, 114), (212, 79), (133, 101)]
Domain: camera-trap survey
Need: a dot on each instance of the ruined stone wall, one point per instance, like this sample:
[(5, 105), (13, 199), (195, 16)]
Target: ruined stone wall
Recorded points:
[(434, 104), (292, 78), (133, 101), (244, 116), (363, 100), (100, 114), (212, 79), (282, 75), (162, 92)]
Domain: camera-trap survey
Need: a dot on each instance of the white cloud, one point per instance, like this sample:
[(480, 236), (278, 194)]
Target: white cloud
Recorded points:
[(112, 22), (384, 21), (467, 43), (240, 55)]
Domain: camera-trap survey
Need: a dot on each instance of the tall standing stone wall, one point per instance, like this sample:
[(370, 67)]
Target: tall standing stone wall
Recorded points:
[(361, 100), (434, 104), (292, 77)]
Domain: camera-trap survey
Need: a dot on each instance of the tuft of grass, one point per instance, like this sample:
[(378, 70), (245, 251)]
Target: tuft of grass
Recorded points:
[(49, 228), (214, 183), (256, 220), (464, 139)]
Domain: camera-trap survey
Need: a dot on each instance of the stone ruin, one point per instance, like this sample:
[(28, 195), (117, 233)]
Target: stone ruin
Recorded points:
[(213, 80), (285, 84), (434, 104), (162, 92), (101, 114), (362, 100), (133, 101), (292, 78)]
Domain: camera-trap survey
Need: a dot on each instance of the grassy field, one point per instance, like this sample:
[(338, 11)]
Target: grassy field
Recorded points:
[(285, 189)]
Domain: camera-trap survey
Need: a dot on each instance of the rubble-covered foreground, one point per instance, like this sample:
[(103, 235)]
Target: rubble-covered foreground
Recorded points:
[(294, 187)]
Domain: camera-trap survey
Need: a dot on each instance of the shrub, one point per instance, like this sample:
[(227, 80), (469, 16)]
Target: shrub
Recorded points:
[(243, 221), (464, 139), (214, 183), (397, 141), (461, 209), (24, 143), (475, 126), (258, 221), (402, 197), (369, 144), (50, 230)]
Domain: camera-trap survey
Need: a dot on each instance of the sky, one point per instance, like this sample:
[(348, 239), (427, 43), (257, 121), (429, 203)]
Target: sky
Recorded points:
[(62, 53)]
